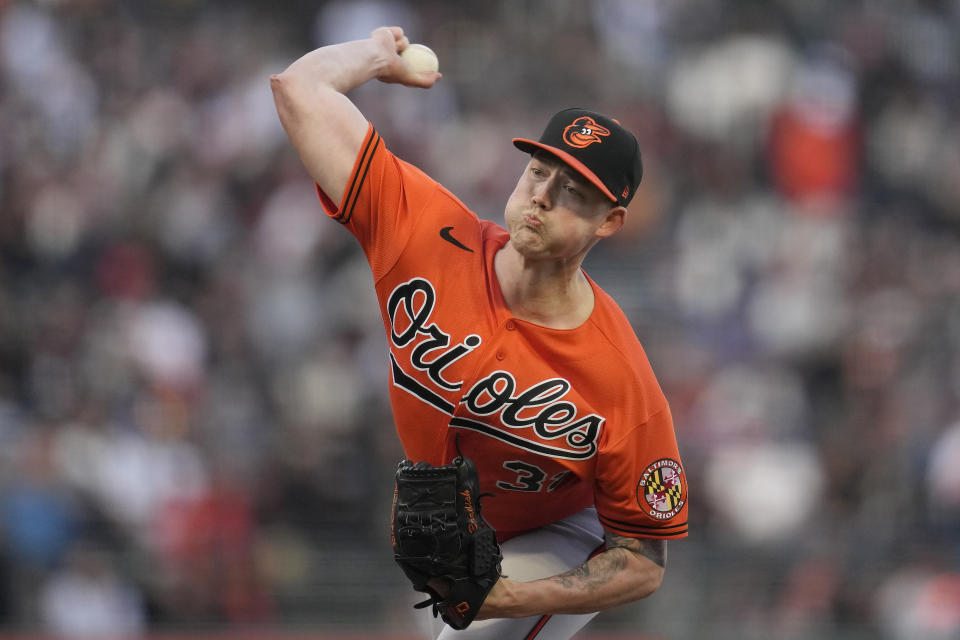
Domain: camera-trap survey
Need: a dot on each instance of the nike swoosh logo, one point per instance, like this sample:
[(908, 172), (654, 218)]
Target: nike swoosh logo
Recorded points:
[(446, 235)]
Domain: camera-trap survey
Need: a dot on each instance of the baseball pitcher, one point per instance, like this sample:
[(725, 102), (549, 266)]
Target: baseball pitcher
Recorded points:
[(542, 478)]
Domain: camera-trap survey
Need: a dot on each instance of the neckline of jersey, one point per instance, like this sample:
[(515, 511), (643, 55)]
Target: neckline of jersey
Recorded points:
[(492, 243)]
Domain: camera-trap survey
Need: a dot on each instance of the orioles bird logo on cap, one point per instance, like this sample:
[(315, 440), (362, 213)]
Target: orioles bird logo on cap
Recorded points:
[(583, 132)]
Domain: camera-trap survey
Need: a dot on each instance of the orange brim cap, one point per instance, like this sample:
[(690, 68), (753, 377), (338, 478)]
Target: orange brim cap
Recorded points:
[(530, 146)]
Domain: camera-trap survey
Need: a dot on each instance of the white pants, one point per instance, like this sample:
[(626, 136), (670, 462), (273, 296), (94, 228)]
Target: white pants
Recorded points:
[(554, 549)]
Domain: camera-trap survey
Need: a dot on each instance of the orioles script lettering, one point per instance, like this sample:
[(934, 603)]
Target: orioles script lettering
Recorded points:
[(539, 418), (416, 299)]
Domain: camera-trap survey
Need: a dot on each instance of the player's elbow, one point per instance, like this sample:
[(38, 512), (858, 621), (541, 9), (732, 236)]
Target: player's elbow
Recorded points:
[(646, 582), (653, 581), (276, 83), (287, 98), (281, 86)]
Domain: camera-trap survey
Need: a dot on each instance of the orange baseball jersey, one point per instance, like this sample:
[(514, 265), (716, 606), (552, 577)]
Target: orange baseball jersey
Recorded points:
[(555, 420)]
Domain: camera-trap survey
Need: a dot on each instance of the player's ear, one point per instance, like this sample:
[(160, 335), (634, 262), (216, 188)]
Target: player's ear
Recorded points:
[(612, 222)]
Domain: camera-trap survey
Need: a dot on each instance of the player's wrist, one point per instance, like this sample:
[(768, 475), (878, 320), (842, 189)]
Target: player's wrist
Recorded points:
[(508, 599), (383, 57)]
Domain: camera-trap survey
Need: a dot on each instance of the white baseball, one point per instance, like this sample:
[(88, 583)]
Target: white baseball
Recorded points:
[(421, 58)]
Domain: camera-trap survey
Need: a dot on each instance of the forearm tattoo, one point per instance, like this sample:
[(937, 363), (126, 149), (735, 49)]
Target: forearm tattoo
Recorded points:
[(593, 573), (600, 569), (652, 549)]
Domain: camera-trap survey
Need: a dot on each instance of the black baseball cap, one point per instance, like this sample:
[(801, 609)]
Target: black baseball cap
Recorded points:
[(595, 146)]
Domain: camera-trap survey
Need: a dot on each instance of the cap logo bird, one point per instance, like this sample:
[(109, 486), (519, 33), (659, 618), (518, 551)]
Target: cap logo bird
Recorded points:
[(583, 132)]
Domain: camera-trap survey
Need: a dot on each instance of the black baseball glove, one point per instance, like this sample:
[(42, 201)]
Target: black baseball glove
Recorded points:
[(440, 539)]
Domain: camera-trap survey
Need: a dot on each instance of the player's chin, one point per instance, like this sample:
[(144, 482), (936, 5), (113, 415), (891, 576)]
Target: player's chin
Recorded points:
[(528, 236), (531, 249)]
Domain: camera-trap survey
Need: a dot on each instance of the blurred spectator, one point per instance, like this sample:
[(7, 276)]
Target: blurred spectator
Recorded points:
[(205, 546), (814, 137), (918, 602), (87, 598), (39, 520)]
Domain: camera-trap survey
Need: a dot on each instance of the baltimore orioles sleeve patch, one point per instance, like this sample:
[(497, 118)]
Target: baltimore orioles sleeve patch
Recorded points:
[(661, 493), (661, 490)]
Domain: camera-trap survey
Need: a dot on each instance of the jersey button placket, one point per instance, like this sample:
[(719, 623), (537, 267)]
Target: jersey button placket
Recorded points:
[(510, 325)]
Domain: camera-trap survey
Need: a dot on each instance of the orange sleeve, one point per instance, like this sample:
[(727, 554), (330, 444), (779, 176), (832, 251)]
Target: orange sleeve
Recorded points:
[(641, 487), (382, 201)]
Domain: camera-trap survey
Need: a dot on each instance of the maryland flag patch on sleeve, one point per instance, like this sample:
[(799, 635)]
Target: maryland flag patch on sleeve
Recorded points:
[(661, 491)]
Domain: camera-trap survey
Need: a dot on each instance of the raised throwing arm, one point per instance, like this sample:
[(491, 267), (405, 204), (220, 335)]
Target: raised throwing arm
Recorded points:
[(324, 126)]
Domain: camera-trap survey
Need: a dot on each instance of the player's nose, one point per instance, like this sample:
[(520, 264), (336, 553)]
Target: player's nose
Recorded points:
[(542, 194)]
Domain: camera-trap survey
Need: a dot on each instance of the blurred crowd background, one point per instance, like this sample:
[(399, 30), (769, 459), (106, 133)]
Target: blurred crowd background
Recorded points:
[(193, 423)]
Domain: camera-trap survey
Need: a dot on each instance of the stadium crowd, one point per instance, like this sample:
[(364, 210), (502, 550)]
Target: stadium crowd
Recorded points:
[(193, 421)]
